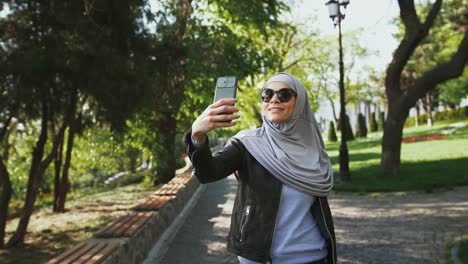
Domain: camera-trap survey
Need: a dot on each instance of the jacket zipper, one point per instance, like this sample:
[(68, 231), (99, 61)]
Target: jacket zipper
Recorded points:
[(246, 214), (328, 231)]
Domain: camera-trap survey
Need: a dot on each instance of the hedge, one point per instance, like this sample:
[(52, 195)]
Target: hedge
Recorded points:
[(451, 114)]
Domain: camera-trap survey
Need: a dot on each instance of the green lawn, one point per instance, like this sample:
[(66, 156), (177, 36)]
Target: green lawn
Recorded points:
[(426, 165)]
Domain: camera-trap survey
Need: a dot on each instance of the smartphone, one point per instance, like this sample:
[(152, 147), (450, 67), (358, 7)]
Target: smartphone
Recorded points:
[(226, 87)]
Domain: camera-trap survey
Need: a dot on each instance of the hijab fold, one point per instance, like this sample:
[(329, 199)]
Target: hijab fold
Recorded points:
[(292, 151)]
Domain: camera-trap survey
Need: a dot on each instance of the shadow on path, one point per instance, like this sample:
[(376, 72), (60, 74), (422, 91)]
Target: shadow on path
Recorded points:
[(202, 238), (413, 227)]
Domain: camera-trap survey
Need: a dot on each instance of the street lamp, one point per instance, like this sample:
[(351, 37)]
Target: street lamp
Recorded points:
[(337, 14)]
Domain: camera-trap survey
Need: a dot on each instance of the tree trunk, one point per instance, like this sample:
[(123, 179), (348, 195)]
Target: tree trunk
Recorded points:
[(368, 115), (391, 144), (64, 186), (5, 195), (416, 118), (430, 121), (338, 125), (33, 180), (5, 183), (165, 151), (58, 168), (175, 78), (400, 102), (36, 172)]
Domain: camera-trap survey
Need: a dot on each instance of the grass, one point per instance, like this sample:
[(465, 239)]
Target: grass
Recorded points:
[(425, 165), (463, 249), (50, 234)]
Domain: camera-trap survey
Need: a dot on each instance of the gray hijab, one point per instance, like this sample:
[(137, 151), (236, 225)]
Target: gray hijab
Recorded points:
[(292, 151)]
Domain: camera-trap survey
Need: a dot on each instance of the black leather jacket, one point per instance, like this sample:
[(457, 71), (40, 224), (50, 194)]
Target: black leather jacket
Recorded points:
[(258, 196)]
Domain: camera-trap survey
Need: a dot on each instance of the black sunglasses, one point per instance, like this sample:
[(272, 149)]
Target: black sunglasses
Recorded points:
[(283, 94)]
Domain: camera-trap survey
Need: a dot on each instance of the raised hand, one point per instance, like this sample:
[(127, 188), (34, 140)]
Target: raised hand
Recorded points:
[(219, 114)]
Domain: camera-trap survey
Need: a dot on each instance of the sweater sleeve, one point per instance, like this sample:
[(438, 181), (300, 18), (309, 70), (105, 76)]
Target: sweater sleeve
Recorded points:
[(208, 167)]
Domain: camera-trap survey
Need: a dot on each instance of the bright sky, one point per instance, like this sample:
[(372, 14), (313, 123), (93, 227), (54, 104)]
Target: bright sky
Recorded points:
[(373, 18)]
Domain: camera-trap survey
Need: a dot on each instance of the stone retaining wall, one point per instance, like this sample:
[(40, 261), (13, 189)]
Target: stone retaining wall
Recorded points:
[(134, 249)]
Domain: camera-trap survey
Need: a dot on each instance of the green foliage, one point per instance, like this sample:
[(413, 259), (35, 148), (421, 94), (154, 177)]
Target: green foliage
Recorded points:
[(453, 91), (261, 14), (361, 128), (218, 39), (438, 48), (331, 132), (447, 115), (99, 154)]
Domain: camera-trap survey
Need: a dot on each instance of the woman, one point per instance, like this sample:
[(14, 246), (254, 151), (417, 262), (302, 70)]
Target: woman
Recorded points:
[(281, 213)]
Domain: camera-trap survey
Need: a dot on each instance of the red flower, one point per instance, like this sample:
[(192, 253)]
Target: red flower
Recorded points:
[(421, 138)]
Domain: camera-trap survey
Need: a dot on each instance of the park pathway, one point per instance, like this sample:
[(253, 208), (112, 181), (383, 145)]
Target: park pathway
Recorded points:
[(389, 228)]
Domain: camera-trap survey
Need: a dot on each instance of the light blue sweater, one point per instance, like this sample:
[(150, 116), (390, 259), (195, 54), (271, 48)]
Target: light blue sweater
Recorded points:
[(296, 237)]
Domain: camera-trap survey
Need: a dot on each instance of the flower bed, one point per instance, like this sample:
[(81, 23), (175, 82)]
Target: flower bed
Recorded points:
[(423, 138)]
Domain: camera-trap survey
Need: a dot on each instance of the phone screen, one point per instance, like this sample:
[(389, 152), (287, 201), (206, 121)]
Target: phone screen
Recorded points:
[(226, 87)]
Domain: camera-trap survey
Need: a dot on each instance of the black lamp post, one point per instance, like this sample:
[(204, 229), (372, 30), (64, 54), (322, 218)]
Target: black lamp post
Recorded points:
[(336, 14)]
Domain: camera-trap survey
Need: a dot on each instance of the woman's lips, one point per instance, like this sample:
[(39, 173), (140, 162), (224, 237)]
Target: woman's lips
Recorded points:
[(275, 110)]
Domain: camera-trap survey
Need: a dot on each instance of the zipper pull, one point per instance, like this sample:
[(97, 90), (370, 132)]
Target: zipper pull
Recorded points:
[(247, 210)]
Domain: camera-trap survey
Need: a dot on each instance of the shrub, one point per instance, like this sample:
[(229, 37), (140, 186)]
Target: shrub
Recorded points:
[(372, 123), (361, 128), (410, 121), (381, 122), (450, 114), (135, 177), (332, 133), (349, 130)]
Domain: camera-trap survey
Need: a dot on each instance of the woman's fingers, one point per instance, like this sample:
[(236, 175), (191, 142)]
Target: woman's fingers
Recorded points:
[(223, 118), (223, 110), (211, 122), (219, 114), (224, 101)]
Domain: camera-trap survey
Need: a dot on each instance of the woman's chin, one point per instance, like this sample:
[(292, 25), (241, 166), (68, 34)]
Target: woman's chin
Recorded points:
[(277, 119)]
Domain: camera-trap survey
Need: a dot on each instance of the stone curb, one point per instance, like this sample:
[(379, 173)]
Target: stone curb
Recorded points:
[(135, 248), (454, 253), (157, 253)]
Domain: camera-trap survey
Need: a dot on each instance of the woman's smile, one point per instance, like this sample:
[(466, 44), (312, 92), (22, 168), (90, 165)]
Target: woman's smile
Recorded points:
[(275, 110)]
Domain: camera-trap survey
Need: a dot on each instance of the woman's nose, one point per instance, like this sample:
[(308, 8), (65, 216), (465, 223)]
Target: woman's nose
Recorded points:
[(275, 99)]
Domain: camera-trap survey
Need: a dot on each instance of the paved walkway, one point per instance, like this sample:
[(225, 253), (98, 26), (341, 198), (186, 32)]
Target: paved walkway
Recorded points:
[(394, 228), (202, 238)]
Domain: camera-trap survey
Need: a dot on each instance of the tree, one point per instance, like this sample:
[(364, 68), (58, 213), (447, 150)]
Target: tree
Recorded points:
[(289, 49), (357, 90), (184, 43), (87, 52), (402, 97)]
